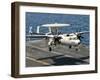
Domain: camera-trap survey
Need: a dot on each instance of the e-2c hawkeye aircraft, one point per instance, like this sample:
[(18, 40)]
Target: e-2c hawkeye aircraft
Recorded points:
[(54, 37)]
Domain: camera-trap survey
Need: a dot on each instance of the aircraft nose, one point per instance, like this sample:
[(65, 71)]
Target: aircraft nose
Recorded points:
[(78, 41)]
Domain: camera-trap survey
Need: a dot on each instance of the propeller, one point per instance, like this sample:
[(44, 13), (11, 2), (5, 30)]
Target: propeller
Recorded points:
[(80, 37), (57, 40)]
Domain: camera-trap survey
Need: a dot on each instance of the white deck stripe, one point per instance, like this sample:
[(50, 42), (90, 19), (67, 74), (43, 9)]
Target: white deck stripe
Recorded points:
[(42, 62)]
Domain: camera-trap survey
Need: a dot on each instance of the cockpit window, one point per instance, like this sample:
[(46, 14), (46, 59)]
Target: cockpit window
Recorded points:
[(67, 35), (75, 38)]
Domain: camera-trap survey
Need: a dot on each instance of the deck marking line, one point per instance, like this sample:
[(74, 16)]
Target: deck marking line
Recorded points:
[(42, 62)]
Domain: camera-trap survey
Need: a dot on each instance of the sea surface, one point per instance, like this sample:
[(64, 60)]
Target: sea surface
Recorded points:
[(78, 23)]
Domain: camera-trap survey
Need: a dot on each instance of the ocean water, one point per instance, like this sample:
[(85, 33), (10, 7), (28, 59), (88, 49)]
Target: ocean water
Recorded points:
[(77, 23)]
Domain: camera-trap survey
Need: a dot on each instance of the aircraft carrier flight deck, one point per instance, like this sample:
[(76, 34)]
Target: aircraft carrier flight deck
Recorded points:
[(37, 54)]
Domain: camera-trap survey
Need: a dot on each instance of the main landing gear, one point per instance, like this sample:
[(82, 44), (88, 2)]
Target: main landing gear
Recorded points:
[(50, 49)]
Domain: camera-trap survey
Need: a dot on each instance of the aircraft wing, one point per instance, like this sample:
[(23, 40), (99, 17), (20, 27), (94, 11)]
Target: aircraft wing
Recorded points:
[(83, 32), (39, 36), (36, 36), (77, 33)]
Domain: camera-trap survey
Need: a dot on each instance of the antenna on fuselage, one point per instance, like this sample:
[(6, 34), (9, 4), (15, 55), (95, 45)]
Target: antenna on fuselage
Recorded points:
[(53, 28)]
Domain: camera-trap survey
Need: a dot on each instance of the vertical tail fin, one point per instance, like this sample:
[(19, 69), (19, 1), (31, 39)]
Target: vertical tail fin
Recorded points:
[(30, 29), (38, 27), (49, 29)]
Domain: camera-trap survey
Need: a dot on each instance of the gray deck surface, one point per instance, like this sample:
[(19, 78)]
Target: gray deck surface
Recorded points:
[(37, 54)]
